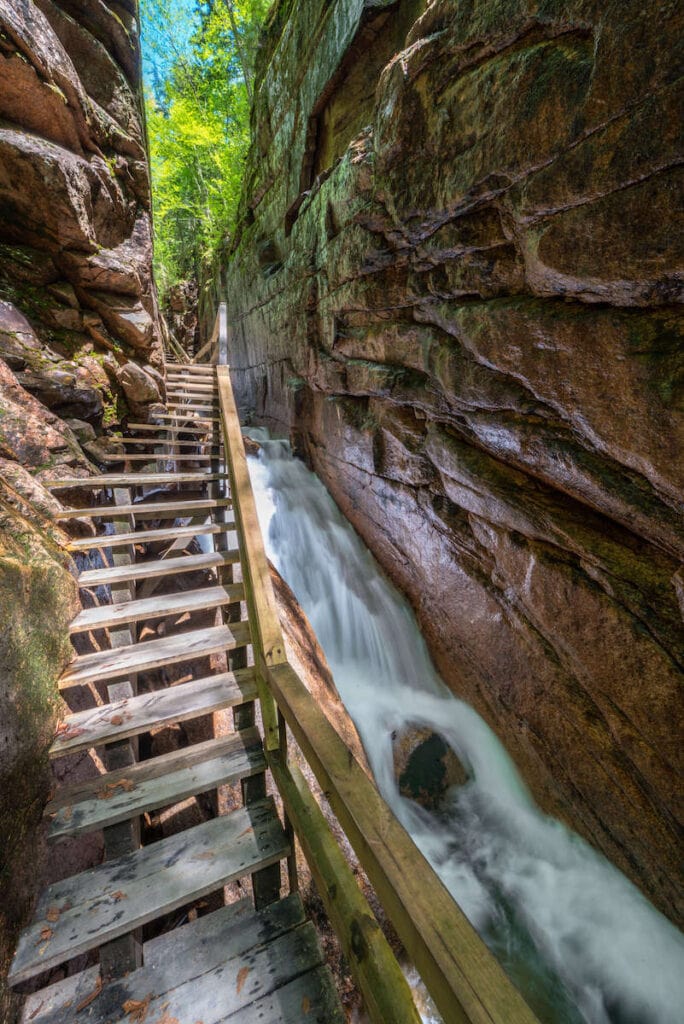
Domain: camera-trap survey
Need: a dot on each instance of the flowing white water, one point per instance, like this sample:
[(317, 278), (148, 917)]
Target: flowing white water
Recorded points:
[(578, 938)]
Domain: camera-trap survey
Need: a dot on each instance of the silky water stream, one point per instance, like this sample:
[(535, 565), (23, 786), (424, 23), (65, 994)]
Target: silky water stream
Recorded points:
[(579, 940)]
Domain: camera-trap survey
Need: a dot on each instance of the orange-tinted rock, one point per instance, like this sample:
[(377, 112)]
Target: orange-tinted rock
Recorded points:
[(466, 314)]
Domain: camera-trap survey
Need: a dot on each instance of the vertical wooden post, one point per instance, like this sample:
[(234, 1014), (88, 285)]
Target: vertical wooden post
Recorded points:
[(124, 954)]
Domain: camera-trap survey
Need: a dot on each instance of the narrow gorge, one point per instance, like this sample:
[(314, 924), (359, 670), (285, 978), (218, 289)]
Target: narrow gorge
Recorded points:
[(434, 248)]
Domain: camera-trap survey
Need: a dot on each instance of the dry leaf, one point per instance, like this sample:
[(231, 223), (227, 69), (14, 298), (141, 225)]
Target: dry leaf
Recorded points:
[(52, 914), (119, 895), (93, 995), (306, 1004), (245, 832), (67, 813), (37, 1009), (242, 978), (167, 1019), (110, 788), (45, 935), (116, 720), (208, 855), (137, 1009)]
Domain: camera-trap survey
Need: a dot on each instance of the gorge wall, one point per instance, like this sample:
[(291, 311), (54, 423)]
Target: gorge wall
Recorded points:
[(455, 283), (78, 322)]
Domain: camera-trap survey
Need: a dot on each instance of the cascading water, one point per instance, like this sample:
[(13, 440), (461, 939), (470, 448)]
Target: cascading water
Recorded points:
[(578, 938)]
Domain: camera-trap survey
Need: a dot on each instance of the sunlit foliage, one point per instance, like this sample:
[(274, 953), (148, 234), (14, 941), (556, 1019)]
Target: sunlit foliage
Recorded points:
[(199, 58)]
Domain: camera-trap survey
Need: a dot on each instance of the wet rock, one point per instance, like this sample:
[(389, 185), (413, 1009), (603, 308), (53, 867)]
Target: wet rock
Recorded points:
[(104, 449), (16, 336), (455, 283), (425, 766), (140, 386)]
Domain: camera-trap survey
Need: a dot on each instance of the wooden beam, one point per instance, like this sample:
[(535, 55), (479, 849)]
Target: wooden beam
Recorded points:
[(161, 567), (269, 646), (105, 616), (380, 979), (145, 509), (147, 536), (467, 983), (132, 480)]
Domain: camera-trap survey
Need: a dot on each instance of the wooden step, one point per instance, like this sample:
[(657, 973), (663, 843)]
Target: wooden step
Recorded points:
[(142, 657), (161, 567), (159, 427), (186, 389), (133, 480), (180, 703), (159, 442), (148, 536), (234, 965), (191, 416), (160, 782), (108, 615), (101, 904), (150, 457), (144, 509), (192, 367)]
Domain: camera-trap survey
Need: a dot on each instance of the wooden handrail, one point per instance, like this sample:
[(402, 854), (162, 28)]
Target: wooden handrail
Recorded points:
[(267, 636), (463, 977)]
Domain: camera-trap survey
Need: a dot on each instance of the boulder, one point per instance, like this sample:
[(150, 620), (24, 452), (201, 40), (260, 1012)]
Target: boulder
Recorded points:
[(139, 385), (83, 431), (16, 337)]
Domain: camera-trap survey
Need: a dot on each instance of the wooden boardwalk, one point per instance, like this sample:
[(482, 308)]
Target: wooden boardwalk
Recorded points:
[(178, 541), (259, 959)]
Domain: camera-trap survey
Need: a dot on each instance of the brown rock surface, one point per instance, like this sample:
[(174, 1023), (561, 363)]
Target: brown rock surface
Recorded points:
[(459, 291)]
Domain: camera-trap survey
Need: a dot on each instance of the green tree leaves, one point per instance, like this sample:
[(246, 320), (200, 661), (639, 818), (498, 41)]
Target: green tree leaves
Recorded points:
[(198, 63)]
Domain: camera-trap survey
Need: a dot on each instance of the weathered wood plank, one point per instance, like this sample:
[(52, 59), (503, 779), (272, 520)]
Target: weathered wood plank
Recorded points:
[(147, 536), (191, 417), (381, 981), (105, 723), (98, 905), (106, 616), (162, 442), (55, 1001), (269, 646), (150, 784), (144, 509), (161, 567), (151, 457), (161, 428), (467, 983), (133, 480), (141, 657), (311, 997)]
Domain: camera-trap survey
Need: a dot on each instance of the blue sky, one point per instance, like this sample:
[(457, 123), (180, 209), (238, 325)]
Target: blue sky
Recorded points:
[(164, 37)]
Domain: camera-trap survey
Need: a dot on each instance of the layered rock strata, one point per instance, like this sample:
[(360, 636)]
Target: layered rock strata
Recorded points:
[(457, 284)]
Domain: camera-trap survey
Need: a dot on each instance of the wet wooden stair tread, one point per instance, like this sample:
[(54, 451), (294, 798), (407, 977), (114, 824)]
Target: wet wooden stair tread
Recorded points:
[(105, 902), (104, 616), (159, 428), (141, 657), (160, 567), (158, 782), (182, 966), (156, 457), (144, 508), (133, 480), (132, 716), (147, 536)]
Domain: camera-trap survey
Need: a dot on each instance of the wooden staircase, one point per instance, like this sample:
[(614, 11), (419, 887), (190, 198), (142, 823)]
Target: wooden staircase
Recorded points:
[(180, 502), (255, 960)]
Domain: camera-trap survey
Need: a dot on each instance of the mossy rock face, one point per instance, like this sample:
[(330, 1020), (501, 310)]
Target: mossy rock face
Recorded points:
[(475, 298), (38, 599)]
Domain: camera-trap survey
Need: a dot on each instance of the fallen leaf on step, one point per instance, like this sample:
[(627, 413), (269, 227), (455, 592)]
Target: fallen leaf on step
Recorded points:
[(67, 812), (306, 1004), (245, 832), (208, 855), (116, 720), (52, 914), (242, 978), (167, 1019), (137, 1009), (93, 995), (119, 895), (45, 935), (110, 788), (37, 1010)]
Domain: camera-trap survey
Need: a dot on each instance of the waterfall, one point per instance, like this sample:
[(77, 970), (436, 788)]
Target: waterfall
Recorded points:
[(580, 941)]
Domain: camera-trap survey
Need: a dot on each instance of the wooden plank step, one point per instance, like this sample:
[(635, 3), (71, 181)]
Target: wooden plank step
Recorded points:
[(134, 715), (150, 457), (156, 607), (101, 904), (200, 405), (144, 509), (142, 657), (158, 427), (147, 536), (54, 1002), (133, 480), (159, 442), (160, 782), (161, 567), (191, 415), (232, 965), (192, 367)]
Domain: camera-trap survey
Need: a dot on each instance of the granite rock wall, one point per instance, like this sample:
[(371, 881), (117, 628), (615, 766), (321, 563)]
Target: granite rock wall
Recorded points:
[(457, 285)]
